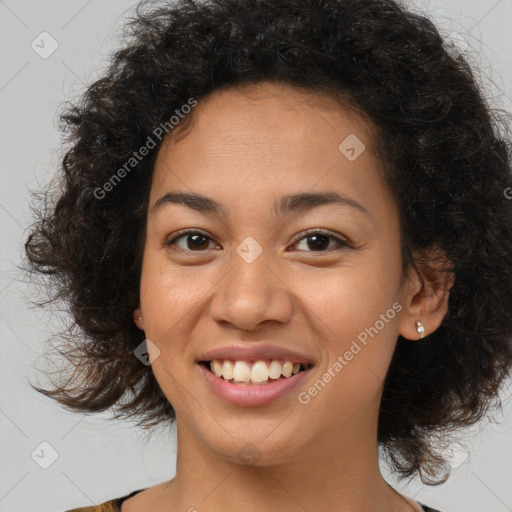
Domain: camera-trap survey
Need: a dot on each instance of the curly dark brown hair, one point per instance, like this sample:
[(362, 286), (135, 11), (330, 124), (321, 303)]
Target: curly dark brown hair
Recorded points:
[(445, 151)]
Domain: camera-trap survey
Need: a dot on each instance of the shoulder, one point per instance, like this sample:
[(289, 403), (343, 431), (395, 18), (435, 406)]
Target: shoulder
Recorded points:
[(109, 506), (113, 505), (428, 509)]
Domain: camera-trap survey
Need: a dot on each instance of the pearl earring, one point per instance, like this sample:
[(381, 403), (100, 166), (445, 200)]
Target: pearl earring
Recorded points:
[(420, 329)]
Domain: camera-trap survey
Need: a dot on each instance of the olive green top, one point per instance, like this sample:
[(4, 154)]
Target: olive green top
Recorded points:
[(109, 506), (115, 505)]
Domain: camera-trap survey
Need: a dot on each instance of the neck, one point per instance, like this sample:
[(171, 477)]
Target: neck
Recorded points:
[(337, 473)]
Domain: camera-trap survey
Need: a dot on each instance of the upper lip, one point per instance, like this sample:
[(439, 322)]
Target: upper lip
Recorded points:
[(240, 352)]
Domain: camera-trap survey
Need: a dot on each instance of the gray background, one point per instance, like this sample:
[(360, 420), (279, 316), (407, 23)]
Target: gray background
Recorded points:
[(99, 459)]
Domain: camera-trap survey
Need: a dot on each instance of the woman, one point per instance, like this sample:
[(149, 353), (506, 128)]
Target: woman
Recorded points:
[(225, 142)]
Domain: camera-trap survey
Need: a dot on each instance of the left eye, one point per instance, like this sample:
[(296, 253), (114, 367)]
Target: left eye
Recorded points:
[(197, 241), (320, 241)]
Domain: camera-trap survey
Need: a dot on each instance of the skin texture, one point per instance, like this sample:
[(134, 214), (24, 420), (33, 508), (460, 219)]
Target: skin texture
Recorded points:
[(247, 148)]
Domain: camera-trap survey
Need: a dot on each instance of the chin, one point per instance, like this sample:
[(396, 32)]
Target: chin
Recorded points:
[(260, 446)]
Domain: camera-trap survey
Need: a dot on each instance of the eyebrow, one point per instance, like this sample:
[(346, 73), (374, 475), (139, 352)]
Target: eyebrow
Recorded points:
[(283, 206)]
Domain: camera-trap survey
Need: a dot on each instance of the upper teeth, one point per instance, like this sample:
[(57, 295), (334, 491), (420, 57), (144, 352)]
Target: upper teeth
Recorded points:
[(259, 371)]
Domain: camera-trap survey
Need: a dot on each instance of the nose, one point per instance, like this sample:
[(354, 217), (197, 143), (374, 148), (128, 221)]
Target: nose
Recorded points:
[(250, 294)]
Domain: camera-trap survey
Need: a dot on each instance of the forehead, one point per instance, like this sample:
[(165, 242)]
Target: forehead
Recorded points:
[(266, 139), (254, 115)]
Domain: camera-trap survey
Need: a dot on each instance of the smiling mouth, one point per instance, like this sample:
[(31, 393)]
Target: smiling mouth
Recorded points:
[(257, 372)]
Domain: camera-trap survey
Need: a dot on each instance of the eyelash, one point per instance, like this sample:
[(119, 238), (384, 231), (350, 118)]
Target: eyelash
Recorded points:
[(307, 234)]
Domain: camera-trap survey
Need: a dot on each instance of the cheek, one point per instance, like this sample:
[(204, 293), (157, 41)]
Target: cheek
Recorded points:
[(353, 313), (353, 318), (351, 298), (174, 300), (169, 292), (170, 299)]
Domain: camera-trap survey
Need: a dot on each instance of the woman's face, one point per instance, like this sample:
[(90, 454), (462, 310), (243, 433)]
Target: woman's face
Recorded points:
[(251, 276)]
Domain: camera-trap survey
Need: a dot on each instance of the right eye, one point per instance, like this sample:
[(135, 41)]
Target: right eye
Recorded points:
[(193, 240)]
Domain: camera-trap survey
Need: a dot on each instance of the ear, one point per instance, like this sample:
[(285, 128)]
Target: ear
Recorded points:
[(425, 293), (137, 318)]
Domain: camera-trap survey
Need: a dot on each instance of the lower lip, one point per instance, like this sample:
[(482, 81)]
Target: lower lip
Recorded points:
[(252, 395)]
